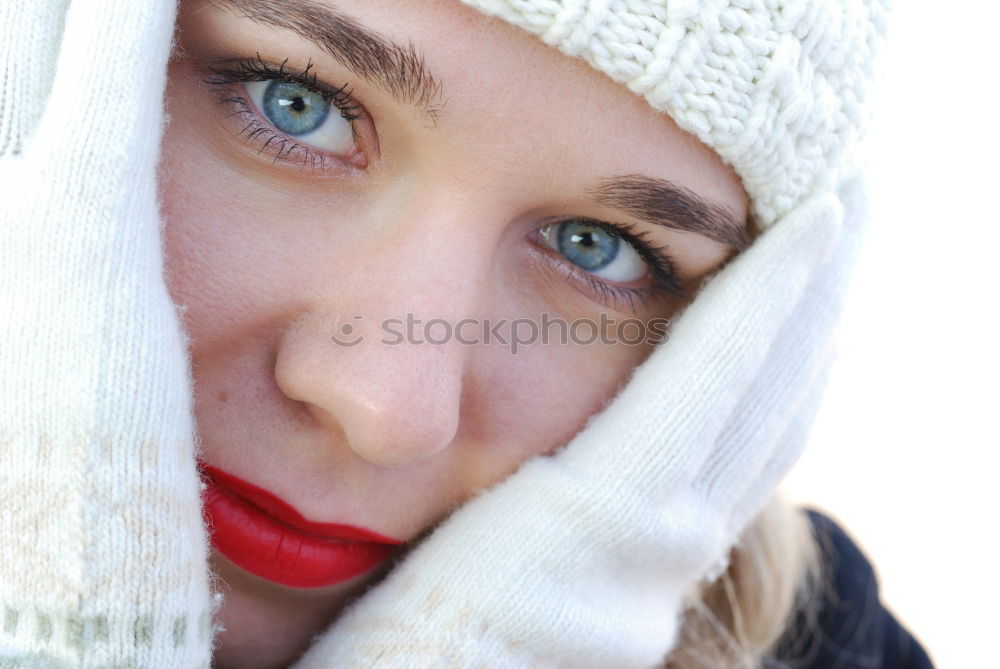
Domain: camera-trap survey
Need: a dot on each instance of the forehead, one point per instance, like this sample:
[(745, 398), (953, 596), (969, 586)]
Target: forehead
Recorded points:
[(491, 71)]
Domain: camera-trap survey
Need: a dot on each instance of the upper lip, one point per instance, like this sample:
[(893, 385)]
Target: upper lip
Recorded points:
[(283, 512)]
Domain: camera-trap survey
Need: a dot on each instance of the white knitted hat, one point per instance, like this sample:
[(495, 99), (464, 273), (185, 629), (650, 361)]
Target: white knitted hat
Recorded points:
[(776, 87)]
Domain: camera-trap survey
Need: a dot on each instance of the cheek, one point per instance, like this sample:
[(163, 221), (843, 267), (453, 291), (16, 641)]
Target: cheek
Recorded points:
[(224, 261), (201, 268), (519, 406), (229, 258)]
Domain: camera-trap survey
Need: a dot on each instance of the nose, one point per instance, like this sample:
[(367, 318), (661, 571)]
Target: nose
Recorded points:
[(393, 400)]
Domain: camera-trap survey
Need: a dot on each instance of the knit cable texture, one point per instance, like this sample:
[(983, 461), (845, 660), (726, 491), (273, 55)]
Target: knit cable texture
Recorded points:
[(778, 88)]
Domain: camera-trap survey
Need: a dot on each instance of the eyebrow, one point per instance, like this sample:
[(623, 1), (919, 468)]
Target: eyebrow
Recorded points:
[(397, 68), (670, 205)]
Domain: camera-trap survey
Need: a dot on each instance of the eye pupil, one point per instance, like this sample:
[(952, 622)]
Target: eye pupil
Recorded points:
[(298, 104)]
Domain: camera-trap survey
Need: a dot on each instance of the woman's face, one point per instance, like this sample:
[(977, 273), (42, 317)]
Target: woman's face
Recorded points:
[(346, 182)]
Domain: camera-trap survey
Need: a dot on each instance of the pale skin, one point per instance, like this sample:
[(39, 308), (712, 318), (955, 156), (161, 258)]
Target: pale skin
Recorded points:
[(435, 214)]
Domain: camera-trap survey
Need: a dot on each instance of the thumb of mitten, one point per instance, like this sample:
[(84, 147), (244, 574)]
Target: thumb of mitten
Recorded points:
[(30, 34)]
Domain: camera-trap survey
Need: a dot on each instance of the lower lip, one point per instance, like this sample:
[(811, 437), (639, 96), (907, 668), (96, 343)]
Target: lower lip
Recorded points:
[(277, 544)]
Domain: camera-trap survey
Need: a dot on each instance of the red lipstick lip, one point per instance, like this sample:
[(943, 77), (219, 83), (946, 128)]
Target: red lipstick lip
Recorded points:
[(267, 536), (286, 513)]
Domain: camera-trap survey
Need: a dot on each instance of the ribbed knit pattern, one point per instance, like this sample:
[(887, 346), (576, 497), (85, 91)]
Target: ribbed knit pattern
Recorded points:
[(581, 559), (102, 549)]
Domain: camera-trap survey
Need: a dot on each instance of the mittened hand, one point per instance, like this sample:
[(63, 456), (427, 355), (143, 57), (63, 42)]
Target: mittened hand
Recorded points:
[(585, 558), (103, 557)]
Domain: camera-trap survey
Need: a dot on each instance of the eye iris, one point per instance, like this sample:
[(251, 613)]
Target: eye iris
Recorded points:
[(586, 245), (293, 109)]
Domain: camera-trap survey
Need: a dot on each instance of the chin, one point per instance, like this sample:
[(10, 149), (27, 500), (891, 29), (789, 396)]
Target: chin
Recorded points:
[(267, 625)]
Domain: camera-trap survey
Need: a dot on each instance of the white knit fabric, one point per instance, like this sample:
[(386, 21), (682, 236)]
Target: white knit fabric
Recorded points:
[(582, 559), (102, 550)]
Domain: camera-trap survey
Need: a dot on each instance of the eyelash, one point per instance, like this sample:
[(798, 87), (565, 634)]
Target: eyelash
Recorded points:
[(661, 264), (245, 70)]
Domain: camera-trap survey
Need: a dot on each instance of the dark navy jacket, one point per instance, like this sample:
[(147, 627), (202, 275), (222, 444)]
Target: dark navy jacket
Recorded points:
[(852, 630)]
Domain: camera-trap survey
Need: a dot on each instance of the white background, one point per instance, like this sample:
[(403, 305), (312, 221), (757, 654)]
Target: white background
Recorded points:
[(905, 450)]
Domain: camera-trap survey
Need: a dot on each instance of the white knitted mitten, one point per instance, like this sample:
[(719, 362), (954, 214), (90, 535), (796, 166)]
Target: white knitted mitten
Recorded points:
[(102, 546), (584, 558)]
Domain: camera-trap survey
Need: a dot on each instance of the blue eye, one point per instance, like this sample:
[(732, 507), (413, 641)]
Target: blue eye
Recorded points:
[(303, 114), (596, 249), (587, 246), (293, 109)]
